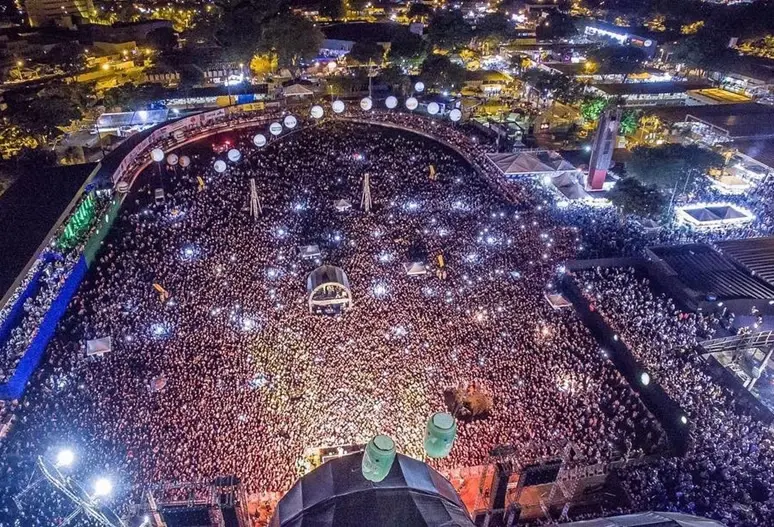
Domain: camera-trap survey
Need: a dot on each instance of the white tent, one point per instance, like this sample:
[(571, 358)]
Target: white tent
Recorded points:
[(415, 268), (99, 346), (297, 90), (530, 163), (309, 251), (342, 205)]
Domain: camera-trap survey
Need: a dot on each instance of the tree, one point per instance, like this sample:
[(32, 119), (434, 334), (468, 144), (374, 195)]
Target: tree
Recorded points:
[(42, 117), (555, 26), (448, 30), (366, 53), (234, 26), (441, 73), (133, 97), (493, 29), (162, 39), (617, 60), (304, 44), (263, 64), (33, 159), (592, 107), (554, 86), (69, 56), (333, 9), (630, 121), (669, 166), (394, 77), (631, 196), (407, 49), (705, 51), (419, 11)]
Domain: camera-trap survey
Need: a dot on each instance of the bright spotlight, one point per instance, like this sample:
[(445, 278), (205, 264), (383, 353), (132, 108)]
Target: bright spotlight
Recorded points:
[(102, 487), (683, 419), (65, 458), (645, 378)]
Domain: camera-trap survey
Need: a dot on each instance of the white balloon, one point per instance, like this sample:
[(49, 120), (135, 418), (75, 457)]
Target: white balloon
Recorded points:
[(366, 103), (172, 159), (259, 140), (234, 155), (220, 166), (185, 161), (157, 154), (290, 121), (338, 106), (275, 128), (391, 102), (433, 108), (412, 103), (419, 86), (455, 115), (317, 111)]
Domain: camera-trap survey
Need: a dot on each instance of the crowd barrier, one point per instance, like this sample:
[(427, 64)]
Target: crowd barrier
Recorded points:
[(15, 312), (666, 410)]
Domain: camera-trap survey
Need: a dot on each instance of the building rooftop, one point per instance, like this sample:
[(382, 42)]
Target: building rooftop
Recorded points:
[(744, 120), (30, 209), (649, 88)]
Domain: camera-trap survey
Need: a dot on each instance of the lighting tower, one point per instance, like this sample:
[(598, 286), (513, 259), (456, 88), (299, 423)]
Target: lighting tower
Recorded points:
[(365, 201)]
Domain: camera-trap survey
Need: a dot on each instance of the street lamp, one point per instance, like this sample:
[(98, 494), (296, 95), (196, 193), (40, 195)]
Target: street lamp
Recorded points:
[(19, 64)]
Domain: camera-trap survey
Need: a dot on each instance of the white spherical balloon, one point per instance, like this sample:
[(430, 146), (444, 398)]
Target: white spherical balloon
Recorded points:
[(185, 161), (433, 108), (157, 154), (290, 121), (419, 86), (317, 111), (391, 102), (275, 128), (412, 103), (172, 159), (234, 155), (455, 115), (366, 103), (220, 166), (338, 106), (259, 140)]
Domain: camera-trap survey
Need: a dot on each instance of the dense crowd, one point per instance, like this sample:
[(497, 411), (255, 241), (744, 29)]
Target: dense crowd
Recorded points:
[(231, 374), (729, 470), (217, 367)]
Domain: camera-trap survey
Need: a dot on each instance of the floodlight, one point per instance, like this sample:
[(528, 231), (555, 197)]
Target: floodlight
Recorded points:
[(102, 487), (65, 458)]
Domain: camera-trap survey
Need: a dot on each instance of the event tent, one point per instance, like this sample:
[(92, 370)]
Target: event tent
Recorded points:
[(531, 163), (297, 90)]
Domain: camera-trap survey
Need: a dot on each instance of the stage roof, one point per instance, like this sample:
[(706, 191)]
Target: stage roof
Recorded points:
[(337, 494), (755, 254), (30, 209), (706, 271)]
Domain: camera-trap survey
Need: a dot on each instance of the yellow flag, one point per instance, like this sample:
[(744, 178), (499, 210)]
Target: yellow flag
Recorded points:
[(432, 172), (201, 183)]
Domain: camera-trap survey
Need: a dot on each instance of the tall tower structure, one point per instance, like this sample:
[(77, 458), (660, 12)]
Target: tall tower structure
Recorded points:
[(602, 148)]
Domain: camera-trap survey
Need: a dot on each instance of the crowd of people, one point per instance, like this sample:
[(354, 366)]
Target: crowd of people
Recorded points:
[(218, 368), (729, 471), (230, 374)]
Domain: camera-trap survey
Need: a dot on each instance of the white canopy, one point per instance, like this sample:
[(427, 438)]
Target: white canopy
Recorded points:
[(526, 163), (99, 346), (297, 90), (342, 205), (415, 268), (309, 251)]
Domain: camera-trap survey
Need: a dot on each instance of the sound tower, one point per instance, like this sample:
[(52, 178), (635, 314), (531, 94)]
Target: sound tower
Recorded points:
[(495, 516)]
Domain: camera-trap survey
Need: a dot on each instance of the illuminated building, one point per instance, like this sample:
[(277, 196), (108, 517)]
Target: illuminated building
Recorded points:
[(58, 12)]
